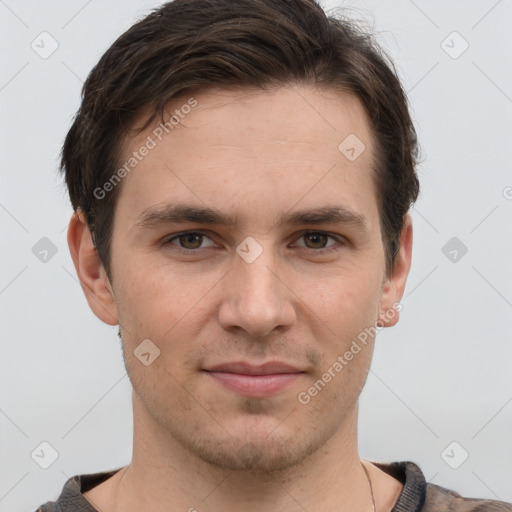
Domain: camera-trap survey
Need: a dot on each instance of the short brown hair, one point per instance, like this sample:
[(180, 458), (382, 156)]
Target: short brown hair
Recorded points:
[(188, 45)]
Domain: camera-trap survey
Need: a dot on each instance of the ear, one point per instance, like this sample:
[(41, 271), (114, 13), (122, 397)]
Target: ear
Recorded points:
[(394, 285), (91, 273)]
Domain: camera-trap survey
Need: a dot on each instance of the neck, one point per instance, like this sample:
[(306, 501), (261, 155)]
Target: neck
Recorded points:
[(163, 473)]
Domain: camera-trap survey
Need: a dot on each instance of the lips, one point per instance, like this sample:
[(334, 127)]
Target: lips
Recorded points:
[(243, 368), (256, 381)]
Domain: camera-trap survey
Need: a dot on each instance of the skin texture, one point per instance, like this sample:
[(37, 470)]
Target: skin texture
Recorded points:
[(254, 156)]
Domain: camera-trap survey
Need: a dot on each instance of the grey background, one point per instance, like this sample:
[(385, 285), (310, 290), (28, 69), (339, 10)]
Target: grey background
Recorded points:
[(441, 375)]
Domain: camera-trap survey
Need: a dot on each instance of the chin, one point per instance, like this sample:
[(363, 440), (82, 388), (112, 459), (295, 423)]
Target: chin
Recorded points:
[(256, 450)]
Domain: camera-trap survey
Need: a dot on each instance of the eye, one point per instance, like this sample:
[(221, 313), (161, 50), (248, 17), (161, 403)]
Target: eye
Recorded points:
[(317, 240), (189, 242)]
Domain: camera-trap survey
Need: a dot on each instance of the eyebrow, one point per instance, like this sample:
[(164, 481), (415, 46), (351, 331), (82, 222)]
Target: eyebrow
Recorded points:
[(181, 213)]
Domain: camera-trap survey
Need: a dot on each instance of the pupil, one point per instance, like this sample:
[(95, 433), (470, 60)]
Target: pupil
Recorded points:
[(190, 239), (317, 236)]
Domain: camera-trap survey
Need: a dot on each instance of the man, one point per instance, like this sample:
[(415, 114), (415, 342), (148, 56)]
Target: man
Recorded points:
[(241, 174)]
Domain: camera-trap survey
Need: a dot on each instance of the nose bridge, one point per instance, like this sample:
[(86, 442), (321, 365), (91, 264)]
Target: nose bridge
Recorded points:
[(259, 276), (256, 298)]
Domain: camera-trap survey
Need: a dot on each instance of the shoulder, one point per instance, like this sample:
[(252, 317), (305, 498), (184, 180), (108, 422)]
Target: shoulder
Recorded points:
[(71, 497), (440, 499), (419, 496), (49, 506)]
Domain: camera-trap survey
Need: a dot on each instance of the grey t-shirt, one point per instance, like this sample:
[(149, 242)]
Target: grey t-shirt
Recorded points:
[(416, 495)]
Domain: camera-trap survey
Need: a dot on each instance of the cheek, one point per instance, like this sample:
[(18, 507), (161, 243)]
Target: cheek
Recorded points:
[(163, 292), (167, 307), (345, 303)]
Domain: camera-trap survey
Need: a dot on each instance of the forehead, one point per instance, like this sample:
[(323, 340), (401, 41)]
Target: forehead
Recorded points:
[(238, 147)]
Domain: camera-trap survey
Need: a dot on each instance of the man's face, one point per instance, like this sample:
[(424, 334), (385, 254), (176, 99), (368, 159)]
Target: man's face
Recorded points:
[(255, 291)]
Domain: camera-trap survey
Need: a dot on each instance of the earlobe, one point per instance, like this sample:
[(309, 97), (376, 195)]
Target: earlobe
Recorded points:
[(394, 285), (91, 273)]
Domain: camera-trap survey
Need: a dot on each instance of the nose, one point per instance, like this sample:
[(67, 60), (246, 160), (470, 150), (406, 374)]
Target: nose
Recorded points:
[(257, 297)]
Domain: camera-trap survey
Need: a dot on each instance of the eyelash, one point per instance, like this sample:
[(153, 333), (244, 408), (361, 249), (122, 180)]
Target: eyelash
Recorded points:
[(189, 252)]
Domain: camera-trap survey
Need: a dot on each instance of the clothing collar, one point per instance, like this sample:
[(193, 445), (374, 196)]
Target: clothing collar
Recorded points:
[(411, 498)]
